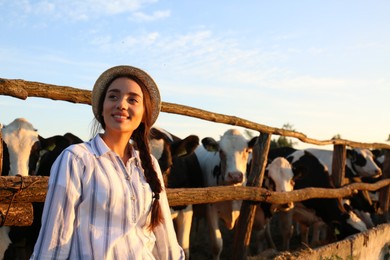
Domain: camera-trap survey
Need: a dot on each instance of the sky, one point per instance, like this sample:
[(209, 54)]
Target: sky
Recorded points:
[(320, 66)]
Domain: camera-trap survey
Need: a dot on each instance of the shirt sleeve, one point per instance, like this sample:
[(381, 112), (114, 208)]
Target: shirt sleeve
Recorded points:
[(55, 237), (166, 239)]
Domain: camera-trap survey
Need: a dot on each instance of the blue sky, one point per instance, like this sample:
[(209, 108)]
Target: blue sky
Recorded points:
[(320, 66)]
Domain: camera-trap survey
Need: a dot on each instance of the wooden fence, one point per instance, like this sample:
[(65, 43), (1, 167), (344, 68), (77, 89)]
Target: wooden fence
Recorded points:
[(21, 191)]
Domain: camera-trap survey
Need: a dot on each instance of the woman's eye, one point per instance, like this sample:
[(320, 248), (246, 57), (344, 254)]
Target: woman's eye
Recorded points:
[(133, 100), (112, 97)]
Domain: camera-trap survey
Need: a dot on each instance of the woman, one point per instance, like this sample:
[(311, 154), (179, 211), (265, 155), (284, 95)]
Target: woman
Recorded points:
[(106, 198)]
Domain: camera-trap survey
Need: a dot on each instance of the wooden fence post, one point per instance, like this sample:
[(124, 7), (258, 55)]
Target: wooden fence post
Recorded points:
[(384, 193), (243, 228), (1, 151), (338, 164)]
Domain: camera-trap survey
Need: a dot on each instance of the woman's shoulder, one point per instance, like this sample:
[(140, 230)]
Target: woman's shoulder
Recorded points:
[(80, 149)]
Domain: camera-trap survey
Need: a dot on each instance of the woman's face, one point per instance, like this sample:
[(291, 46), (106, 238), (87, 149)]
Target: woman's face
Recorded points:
[(123, 106)]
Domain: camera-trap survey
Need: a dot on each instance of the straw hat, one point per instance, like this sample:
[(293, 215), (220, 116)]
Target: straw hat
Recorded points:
[(129, 71)]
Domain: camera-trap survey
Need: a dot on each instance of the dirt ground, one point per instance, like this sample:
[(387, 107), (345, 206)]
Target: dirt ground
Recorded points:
[(200, 248), (354, 247)]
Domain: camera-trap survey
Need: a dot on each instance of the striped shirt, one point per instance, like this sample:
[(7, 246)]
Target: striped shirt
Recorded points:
[(99, 208)]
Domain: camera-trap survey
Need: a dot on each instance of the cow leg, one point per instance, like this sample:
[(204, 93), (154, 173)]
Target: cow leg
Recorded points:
[(286, 227), (258, 232), (258, 241), (215, 232), (5, 241), (304, 233), (268, 234), (318, 229), (183, 229), (306, 219)]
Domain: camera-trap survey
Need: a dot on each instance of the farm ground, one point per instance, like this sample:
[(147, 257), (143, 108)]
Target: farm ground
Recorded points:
[(357, 246), (200, 242)]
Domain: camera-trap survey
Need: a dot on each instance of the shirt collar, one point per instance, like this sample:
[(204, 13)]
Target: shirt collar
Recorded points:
[(99, 148)]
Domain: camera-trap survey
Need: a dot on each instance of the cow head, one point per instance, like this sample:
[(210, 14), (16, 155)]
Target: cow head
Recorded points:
[(166, 147), (22, 145), (280, 178), (234, 151), (362, 163), (51, 148)]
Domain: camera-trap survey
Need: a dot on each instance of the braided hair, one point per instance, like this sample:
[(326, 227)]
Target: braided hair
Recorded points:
[(140, 138)]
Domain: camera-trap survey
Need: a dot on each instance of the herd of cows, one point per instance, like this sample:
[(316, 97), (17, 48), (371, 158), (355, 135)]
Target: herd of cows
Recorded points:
[(193, 163)]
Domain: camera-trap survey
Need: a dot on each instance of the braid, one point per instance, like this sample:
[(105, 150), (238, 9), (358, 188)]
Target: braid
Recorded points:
[(140, 137)]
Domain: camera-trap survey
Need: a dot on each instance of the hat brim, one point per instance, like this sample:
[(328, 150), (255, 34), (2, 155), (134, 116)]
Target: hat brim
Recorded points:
[(126, 71)]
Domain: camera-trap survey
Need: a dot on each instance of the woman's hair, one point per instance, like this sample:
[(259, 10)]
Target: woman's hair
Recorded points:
[(140, 139)]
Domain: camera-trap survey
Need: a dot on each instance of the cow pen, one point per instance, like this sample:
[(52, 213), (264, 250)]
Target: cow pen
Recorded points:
[(17, 193)]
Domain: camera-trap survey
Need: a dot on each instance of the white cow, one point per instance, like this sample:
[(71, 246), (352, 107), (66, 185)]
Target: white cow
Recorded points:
[(278, 177), (223, 163), (19, 137)]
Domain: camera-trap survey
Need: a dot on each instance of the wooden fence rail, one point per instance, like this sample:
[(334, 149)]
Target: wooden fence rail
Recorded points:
[(23, 89), (17, 190), (30, 189)]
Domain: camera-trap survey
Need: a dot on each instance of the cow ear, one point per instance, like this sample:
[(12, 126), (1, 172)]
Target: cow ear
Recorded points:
[(375, 152), (185, 146), (351, 154), (156, 133), (210, 144), (252, 142)]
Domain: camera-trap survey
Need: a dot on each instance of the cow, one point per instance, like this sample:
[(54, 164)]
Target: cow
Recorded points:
[(277, 177), (22, 156), (359, 162), (309, 171), (302, 217), (55, 145), (51, 148), (180, 169), (223, 163), (20, 149)]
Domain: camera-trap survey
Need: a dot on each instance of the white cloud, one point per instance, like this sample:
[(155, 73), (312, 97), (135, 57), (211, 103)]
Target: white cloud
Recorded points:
[(75, 10), (142, 17)]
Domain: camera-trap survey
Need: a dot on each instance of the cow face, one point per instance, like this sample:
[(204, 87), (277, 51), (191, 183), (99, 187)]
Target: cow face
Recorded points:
[(363, 163), (233, 152), (280, 171), (22, 143), (281, 174)]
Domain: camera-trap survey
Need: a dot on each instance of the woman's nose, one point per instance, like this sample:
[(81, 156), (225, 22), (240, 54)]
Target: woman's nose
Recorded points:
[(122, 104)]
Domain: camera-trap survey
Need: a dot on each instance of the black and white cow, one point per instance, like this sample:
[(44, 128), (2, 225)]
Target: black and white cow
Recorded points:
[(180, 169), (223, 163), (278, 177), (359, 162), (51, 148), (309, 171), (20, 149), (54, 146), (21, 156)]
